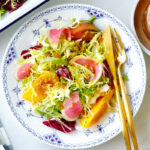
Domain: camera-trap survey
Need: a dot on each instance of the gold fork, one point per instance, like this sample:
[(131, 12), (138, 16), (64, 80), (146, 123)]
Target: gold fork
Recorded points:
[(121, 59)]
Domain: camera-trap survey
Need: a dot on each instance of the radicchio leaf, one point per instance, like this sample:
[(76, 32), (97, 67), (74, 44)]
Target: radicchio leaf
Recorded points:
[(63, 125), (26, 53), (64, 72), (9, 7), (106, 70), (107, 73)]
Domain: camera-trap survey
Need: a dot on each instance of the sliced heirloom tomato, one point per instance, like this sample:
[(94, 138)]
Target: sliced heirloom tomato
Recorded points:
[(97, 110), (37, 92), (84, 30)]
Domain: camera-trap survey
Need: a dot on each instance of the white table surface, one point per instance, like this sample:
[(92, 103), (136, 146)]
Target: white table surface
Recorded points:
[(21, 140)]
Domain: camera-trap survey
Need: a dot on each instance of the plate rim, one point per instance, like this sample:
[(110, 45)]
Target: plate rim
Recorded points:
[(82, 146)]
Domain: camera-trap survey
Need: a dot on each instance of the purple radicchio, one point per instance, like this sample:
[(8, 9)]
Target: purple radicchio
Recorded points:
[(106, 70), (62, 125), (26, 53), (107, 73), (7, 5), (64, 72)]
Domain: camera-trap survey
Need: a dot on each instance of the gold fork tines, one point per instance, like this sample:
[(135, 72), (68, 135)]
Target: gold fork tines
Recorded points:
[(121, 58)]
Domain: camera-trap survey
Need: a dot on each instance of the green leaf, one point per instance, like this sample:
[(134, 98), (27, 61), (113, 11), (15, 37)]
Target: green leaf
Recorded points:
[(125, 78), (13, 4), (2, 12), (58, 61), (63, 81), (52, 111), (53, 75), (88, 91), (73, 19), (91, 20)]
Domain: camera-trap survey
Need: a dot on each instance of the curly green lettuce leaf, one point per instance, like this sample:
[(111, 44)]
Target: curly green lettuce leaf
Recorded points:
[(2, 12), (96, 49), (51, 105), (80, 75)]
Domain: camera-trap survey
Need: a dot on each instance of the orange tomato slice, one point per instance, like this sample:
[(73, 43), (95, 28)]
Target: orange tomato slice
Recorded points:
[(38, 92), (97, 110)]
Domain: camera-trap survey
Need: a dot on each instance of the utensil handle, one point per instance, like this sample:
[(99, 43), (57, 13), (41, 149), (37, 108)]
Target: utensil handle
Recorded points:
[(122, 117), (5, 147), (128, 112), (4, 140)]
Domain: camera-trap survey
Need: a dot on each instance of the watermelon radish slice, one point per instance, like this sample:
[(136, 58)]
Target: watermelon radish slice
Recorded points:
[(95, 67), (72, 107), (55, 35), (23, 71)]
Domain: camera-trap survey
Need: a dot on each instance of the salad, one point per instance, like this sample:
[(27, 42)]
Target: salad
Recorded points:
[(9, 6), (66, 76)]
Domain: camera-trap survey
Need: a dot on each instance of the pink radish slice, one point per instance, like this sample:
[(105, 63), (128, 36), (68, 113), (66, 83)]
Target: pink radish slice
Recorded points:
[(92, 65), (55, 35), (72, 107), (23, 71)]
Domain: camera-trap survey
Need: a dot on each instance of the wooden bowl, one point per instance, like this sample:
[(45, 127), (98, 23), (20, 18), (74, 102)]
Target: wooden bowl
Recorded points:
[(141, 23)]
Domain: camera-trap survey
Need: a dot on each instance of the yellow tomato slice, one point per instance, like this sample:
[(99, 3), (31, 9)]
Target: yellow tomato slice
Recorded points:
[(30, 95)]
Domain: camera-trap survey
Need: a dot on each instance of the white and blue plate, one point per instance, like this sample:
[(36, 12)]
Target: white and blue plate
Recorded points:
[(109, 126)]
